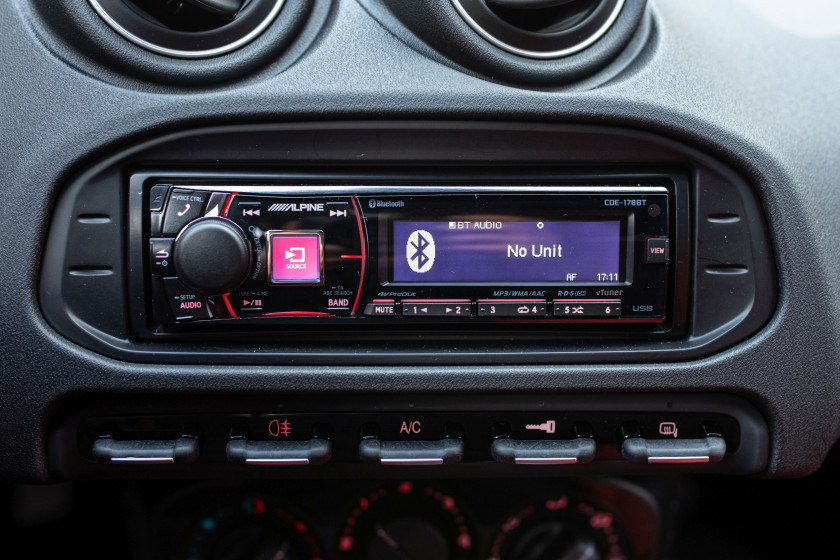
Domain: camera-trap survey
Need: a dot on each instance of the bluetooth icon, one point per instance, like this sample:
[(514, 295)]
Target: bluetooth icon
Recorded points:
[(420, 251), (420, 254)]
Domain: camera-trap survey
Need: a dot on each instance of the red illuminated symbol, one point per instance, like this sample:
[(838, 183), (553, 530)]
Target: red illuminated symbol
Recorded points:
[(345, 544), (554, 505), (184, 211), (601, 520), (410, 427), (548, 427), (276, 427), (668, 429)]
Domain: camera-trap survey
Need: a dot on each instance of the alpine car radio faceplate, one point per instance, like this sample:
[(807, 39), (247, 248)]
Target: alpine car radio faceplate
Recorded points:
[(598, 258)]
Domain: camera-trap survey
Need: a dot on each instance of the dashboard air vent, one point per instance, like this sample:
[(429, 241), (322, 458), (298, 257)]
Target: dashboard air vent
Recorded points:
[(540, 28), (188, 28)]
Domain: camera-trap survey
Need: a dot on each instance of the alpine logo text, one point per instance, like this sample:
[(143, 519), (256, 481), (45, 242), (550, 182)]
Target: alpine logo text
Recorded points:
[(291, 207)]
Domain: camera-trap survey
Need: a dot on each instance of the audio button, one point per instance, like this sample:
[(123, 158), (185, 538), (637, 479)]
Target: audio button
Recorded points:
[(185, 304)]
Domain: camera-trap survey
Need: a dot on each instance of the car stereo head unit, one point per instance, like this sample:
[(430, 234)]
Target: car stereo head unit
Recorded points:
[(225, 255)]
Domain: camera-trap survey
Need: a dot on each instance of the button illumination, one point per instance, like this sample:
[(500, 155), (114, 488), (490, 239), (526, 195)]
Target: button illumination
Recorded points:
[(296, 257)]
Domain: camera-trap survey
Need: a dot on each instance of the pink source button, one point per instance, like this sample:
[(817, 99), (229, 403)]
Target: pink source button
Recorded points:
[(295, 257)]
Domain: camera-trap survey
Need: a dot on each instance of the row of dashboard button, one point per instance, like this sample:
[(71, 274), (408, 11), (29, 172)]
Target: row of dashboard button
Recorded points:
[(187, 305), (582, 448), (525, 309)]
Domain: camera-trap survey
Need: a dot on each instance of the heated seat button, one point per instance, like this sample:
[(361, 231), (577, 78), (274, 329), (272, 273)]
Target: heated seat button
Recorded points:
[(186, 304), (160, 257), (184, 206)]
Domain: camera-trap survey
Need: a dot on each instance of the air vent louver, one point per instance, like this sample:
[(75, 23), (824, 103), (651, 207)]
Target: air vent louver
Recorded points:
[(540, 28), (188, 28)]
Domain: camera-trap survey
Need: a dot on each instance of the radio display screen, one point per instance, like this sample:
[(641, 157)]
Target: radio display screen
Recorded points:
[(507, 251)]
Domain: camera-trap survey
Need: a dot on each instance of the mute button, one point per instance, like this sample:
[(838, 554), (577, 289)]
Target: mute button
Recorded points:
[(381, 308)]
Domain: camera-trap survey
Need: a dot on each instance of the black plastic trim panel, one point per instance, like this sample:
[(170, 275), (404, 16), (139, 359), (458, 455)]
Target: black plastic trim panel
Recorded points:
[(437, 29), (213, 420), (85, 271)]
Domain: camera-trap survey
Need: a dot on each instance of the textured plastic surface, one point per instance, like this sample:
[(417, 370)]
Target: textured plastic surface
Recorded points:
[(310, 452), (79, 37), (438, 24), (181, 450), (424, 432), (411, 453), (713, 75), (520, 154), (702, 450), (226, 34), (578, 450)]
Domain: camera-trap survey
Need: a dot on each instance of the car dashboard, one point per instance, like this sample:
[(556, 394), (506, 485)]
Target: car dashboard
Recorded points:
[(387, 279)]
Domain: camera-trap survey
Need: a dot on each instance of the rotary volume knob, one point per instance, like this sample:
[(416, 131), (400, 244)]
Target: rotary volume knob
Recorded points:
[(212, 256)]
